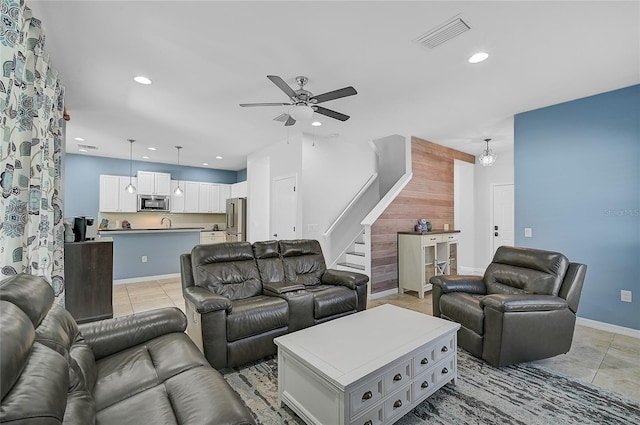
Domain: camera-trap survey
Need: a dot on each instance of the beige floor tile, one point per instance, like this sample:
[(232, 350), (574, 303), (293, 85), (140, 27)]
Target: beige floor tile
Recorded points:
[(619, 373), (142, 298), (119, 288), (170, 281), (120, 310), (173, 292), (120, 298), (137, 308)]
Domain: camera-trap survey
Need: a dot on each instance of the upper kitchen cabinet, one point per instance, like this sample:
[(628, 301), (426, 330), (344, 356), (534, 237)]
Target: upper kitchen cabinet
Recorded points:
[(191, 197), (114, 197), (239, 190), (213, 197), (150, 183), (225, 193), (204, 197)]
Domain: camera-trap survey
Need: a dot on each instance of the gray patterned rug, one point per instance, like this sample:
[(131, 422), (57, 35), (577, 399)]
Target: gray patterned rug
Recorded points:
[(521, 394)]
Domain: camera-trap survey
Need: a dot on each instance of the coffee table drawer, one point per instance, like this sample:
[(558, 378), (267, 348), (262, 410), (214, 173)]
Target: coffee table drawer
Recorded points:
[(398, 404), (445, 347), (424, 360), (445, 370), (425, 385), (373, 417), (397, 376), (366, 395)]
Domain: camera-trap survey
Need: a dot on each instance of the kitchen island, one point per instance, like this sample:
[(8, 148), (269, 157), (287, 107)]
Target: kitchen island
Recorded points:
[(150, 252)]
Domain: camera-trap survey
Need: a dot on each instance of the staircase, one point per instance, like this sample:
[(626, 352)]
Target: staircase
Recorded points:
[(355, 259)]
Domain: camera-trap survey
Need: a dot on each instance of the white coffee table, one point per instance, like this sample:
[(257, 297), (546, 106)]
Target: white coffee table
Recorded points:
[(368, 368)]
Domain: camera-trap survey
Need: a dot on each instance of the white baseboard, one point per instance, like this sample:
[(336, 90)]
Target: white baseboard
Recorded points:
[(144, 278), (634, 333), (383, 294)]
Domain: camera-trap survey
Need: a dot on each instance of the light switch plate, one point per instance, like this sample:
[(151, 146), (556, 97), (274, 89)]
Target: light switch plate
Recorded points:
[(528, 233), (626, 296)]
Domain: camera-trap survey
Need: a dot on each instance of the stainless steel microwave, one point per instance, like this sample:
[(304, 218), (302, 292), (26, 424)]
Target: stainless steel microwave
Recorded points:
[(153, 203)]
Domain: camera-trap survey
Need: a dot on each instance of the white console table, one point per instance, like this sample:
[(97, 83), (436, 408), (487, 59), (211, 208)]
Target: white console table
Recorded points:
[(422, 255)]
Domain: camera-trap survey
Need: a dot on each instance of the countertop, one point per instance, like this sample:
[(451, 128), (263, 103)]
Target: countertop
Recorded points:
[(433, 232), (150, 230)]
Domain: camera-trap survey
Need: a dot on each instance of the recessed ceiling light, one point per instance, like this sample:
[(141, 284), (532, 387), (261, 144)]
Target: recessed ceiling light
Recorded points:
[(218, 157), (142, 80), (316, 123), (79, 139), (145, 157), (82, 150), (152, 148), (478, 57), (205, 163)]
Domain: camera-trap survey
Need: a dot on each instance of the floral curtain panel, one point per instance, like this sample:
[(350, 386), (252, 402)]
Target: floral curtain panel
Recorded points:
[(31, 107)]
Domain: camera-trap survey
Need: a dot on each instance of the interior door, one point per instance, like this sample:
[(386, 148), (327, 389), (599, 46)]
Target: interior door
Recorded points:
[(285, 208), (503, 216)]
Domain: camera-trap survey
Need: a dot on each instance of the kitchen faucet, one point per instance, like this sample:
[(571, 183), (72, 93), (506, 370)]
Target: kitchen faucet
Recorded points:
[(163, 219)]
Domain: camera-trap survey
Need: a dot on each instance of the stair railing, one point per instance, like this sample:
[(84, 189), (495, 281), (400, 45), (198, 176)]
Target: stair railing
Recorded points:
[(355, 199)]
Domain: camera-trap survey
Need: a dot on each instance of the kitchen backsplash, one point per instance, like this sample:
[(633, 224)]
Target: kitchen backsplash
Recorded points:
[(146, 220)]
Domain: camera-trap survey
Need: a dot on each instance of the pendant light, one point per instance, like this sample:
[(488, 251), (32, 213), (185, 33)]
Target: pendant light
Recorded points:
[(488, 158), (130, 187), (178, 191)]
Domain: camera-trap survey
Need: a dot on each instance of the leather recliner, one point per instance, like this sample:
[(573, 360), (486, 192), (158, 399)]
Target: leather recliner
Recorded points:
[(239, 297), (133, 370), (522, 309)]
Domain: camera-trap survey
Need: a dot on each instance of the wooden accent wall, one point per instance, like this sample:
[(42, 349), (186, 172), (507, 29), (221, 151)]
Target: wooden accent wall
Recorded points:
[(428, 195)]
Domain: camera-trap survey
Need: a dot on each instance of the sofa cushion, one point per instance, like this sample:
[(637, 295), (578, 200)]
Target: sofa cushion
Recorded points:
[(525, 270), (465, 309), (303, 261), (137, 369), (256, 315), (269, 262), (227, 269), (329, 300)]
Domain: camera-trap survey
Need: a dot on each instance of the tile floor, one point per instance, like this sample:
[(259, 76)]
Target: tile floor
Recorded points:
[(605, 359)]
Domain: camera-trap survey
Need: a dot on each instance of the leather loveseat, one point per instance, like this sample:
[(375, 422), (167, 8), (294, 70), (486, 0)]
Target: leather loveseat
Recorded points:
[(239, 296), (138, 369), (522, 309)]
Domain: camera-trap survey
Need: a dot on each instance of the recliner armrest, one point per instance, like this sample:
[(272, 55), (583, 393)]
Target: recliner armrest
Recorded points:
[(460, 283), (278, 288), (205, 301), (352, 280), (110, 336), (523, 302)]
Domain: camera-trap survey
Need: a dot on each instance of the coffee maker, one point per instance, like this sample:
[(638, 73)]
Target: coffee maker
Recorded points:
[(84, 229)]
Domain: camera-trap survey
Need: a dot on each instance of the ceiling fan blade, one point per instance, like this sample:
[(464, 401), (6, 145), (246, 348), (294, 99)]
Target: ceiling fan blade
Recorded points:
[(331, 114), (336, 94), (265, 104), (282, 85), (290, 121), (281, 117)]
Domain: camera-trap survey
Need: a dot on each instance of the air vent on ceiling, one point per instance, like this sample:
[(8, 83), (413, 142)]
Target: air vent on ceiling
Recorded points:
[(443, 33), (87, 147)]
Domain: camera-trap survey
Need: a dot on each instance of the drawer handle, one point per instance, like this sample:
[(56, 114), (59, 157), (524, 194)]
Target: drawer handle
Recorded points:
[(397, 378), (424, 361), (425, 384), (444, 349), (397, 404), (368, 423), (367, 395), (445, 370)]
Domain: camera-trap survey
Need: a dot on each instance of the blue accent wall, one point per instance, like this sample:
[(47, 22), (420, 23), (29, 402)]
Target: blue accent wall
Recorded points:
[(241, 175), (577, 185), (82, 179)]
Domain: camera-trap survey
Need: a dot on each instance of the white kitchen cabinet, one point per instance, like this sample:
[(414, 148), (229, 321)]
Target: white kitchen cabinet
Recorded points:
[(215, 198), (177, 202), (212, 237), (151, 183), (191, 196), (239, 190), (204, 197), (114, 197), (225, 193)]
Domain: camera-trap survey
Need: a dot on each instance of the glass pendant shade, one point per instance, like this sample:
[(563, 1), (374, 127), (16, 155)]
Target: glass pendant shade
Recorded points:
[(177, 191), (488, 158), (130, 187)]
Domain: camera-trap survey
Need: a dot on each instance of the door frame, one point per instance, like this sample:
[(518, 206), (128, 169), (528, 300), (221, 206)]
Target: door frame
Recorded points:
[(491, 189), (272, 202)]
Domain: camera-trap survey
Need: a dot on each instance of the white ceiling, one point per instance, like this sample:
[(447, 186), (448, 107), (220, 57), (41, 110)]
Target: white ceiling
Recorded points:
[(206, 57)]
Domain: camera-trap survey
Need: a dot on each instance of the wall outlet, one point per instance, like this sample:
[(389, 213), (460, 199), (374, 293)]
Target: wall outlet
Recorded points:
[(528, 233), (625, 296), (144, 258)]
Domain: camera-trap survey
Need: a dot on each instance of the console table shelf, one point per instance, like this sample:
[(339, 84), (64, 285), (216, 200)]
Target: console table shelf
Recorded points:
[(422, 255)]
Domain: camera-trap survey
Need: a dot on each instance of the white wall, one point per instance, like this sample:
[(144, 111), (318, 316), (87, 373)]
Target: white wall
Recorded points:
[(464, 215), (484, 177)]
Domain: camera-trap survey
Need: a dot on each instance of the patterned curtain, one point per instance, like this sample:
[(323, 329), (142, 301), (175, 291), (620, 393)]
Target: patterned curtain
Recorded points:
[(31, 107)]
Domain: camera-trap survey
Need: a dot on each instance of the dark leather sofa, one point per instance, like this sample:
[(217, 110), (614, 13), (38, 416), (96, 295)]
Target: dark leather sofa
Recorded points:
[(239, 296), (138, 369), (522, 309)]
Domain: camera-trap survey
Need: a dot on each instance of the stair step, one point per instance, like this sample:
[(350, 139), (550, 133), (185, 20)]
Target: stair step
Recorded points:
[(351, 266), (358, 259), (359, 254), (359, 247)]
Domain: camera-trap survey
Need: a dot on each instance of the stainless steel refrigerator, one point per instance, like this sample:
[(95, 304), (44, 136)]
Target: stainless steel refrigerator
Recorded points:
[(236, 219)]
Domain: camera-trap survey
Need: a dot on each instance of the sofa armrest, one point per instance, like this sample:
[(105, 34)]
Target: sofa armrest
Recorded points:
[(351, 280), (279, 288), (523, 302), (205, 301), (460, 283), (110, 336)]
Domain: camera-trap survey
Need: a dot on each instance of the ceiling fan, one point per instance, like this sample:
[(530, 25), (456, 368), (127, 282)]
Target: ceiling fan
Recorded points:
[(304, 102)]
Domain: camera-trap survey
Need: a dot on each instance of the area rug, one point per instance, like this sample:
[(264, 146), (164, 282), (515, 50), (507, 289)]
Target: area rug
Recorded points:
[(521, 394)]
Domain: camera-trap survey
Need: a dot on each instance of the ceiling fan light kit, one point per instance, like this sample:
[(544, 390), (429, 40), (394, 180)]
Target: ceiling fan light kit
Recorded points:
[(488, 158), (303, 102)]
